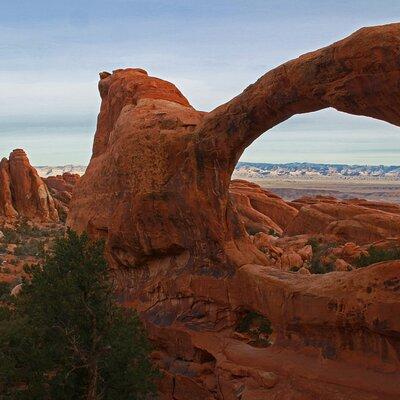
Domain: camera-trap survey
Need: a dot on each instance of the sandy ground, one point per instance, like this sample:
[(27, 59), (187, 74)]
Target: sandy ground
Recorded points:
[(291, 188)]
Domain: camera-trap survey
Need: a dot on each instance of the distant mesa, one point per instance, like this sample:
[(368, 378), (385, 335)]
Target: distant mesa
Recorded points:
[(252, 170), (47, 171), (260, 170)]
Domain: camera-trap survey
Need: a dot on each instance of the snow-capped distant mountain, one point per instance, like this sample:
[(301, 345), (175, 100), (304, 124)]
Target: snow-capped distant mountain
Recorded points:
[(248, 170), (45, 171)]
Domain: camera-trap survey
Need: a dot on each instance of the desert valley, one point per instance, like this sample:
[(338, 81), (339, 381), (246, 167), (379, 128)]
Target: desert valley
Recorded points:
[(249, 286)]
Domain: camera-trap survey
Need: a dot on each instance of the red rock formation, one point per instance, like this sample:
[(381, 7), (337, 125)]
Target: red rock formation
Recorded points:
[(361, 221), (23, 193), (157, 189), (61, 186), (263, 202), (334, 334), (62, 183), (7, 210), (253, 220), (128, 87)]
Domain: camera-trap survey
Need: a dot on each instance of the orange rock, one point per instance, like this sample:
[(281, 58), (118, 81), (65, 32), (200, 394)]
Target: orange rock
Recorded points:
[(268, 204), (290, 260), (253, 220), (304, 271), (23, 193), (16, 290), (347, 221), (305, 253), (129, 87), (342, 265), (61, 187), (158, 191), (153, 151), (7, 210), (62, 183), (349, 252)]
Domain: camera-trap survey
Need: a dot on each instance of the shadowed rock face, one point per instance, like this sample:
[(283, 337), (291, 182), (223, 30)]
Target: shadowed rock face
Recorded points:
[(22, 192), (157, 189)]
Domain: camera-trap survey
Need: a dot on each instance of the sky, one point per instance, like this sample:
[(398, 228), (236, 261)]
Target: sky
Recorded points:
[(51, 53)]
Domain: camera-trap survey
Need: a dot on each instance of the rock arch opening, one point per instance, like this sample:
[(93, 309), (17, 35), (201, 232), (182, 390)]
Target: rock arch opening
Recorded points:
[(327, 137)]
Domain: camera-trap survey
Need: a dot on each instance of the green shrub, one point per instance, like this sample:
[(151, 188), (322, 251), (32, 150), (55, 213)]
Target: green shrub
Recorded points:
[(24, 231), (5, 288), (319, 249), (27, 230), (251, 230), (11, 236), (3, 248), (6, 270), (273, 233), (31, 247), (65, 337), (317, 267), (376, 255), (314, 243), (257, 326)]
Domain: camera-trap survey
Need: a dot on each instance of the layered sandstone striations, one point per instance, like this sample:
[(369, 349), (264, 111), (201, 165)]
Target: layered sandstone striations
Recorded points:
[(198, 255), (22, 192)]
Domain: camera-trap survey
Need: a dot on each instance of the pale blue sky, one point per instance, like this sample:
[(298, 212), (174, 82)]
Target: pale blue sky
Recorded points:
[(52, 51)]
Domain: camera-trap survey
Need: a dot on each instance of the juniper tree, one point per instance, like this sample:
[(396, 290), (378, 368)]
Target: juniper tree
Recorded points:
[(65, 337)]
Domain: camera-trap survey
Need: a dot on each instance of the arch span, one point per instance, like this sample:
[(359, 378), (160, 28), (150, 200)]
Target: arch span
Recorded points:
[(358, 75)]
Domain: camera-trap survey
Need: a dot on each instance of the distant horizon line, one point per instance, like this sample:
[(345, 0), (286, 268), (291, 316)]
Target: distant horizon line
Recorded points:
[(316, 163), (251, 163)]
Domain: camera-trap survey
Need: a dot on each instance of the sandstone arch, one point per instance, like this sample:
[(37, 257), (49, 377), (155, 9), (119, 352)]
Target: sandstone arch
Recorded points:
[(158, 180), (157, 189), (357, 75)]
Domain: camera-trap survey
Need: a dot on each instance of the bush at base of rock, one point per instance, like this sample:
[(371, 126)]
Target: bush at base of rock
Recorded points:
[(5, 288), (376, 255), (32, 248), (318, 265), (257, 327)]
